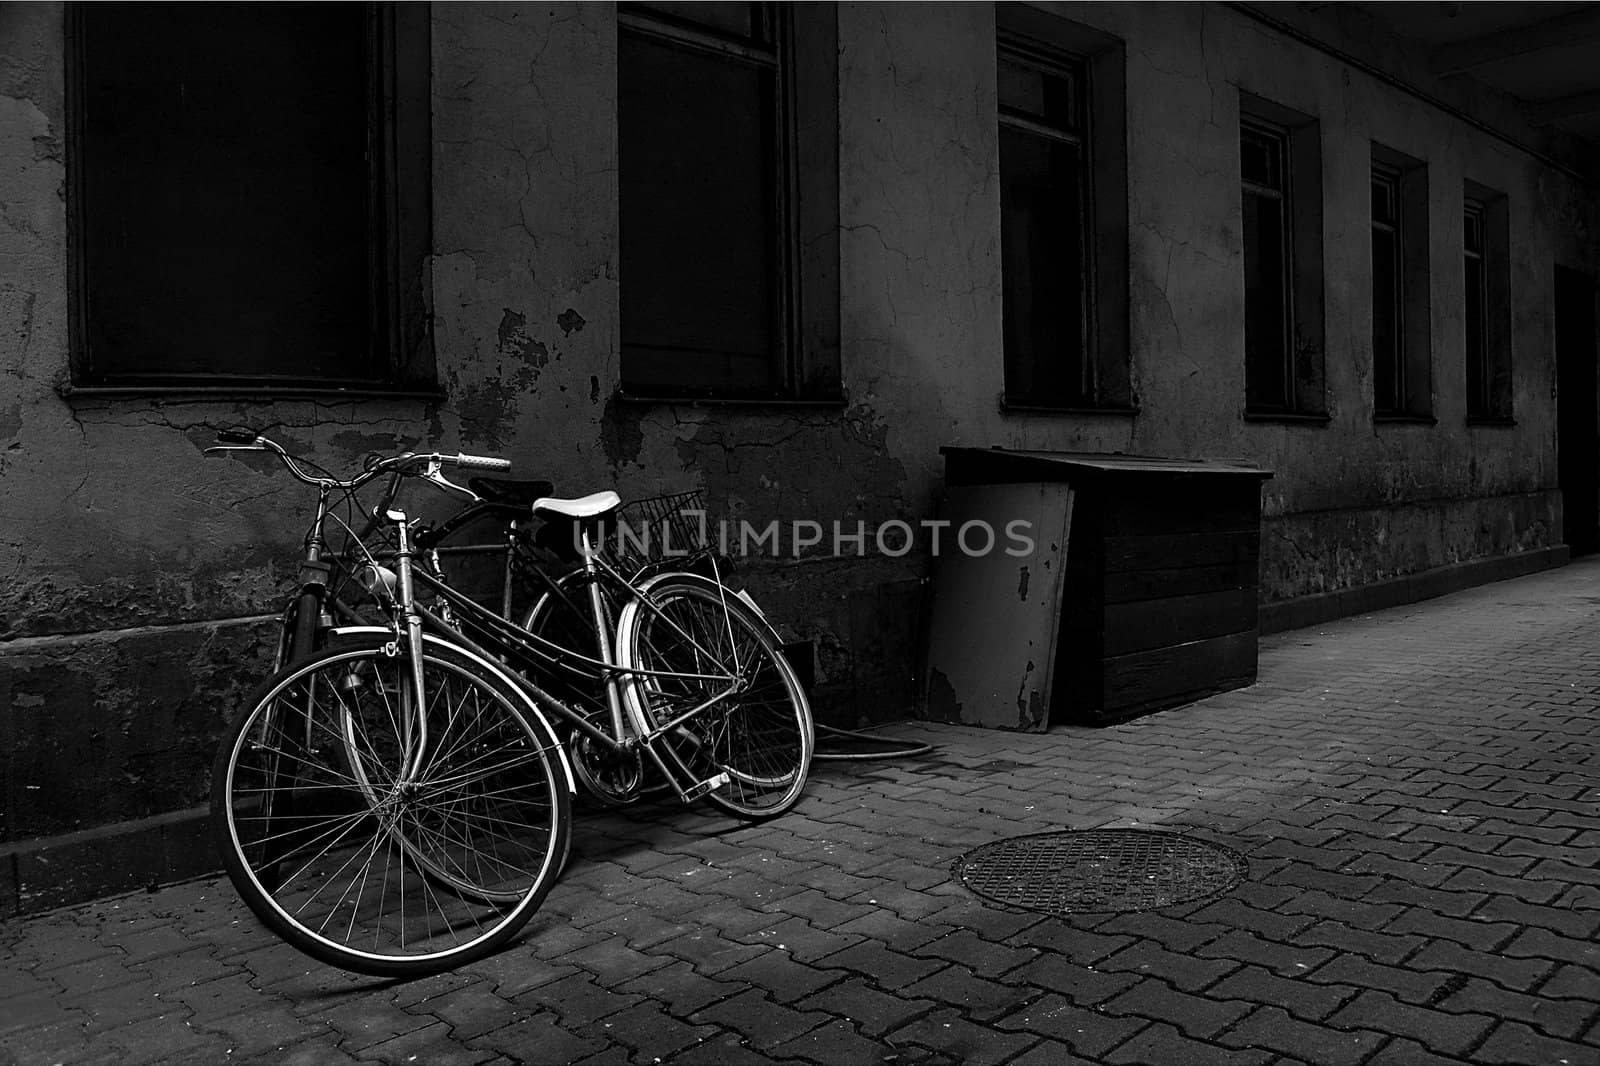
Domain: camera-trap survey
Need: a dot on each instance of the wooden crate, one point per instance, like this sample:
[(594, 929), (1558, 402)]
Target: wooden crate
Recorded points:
[(1159, 597)]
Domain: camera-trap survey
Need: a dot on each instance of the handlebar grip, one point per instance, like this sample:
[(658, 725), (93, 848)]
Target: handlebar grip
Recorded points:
[(236, 436), (483, 462)]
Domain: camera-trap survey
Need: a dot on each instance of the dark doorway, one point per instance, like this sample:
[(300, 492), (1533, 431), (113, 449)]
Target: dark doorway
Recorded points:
[(1577, 427)]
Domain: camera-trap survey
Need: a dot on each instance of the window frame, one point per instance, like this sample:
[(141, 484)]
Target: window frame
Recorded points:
[(398, 145), (1412, 397), (1020, 51), (1389, 397), (1301, 382), (1491, 390), (805, 355), (1098, 62)]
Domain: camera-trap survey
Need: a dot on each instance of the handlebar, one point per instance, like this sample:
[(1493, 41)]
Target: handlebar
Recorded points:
[(421, 464)]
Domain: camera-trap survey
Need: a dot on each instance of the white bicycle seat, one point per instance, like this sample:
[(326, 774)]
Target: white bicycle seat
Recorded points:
[(591, 506)]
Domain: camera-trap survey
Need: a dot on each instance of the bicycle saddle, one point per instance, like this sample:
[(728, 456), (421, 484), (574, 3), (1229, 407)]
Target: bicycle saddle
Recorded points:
[(593, 505), (507, 490)]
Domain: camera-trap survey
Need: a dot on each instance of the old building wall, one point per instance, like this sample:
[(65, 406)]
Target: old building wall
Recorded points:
[(142, 576)]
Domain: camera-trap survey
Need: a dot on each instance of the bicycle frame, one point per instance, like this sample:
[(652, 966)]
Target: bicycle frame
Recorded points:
[(532, 651)]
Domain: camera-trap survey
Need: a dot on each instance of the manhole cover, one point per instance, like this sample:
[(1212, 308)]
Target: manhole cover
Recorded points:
[(1099, 870)]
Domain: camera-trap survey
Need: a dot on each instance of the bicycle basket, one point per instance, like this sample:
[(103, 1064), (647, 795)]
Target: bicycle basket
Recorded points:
[(657, 529)]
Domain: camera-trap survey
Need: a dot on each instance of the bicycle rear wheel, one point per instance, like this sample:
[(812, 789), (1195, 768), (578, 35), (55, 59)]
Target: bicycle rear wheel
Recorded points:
[(702, 643), (372, 868)]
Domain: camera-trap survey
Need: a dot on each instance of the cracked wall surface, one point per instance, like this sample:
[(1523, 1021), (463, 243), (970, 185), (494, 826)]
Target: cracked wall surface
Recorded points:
[(141, 576)]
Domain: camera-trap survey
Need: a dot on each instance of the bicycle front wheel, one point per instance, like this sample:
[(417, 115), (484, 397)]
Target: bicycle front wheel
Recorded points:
[(706, 651), (385, 838)]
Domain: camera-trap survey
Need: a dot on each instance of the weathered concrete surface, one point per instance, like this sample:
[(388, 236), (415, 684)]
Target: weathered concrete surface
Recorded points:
[(1414, 794), (110, 519)]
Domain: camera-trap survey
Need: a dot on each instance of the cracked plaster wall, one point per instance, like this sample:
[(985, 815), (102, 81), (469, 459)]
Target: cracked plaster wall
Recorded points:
[(920, 258), (113, 528)]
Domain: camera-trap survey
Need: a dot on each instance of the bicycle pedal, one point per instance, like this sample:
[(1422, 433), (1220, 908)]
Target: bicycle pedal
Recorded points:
[(711, 784)]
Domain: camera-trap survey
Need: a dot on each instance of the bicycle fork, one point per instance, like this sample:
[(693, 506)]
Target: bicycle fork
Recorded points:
[(411, 621)]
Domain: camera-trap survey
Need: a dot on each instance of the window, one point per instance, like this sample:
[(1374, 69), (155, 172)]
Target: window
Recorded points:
[(1043, 201), (1486, 306), (249, 193), (727, 130), (1063, 210), (1280, 169), (1401, 356), (1388, 294)]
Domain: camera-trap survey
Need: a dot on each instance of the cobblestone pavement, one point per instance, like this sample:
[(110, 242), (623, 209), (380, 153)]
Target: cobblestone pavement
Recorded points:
[(1417, 794)]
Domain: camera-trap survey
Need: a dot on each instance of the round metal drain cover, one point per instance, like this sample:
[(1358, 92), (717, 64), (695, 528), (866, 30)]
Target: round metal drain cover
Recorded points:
[(1100, 870)]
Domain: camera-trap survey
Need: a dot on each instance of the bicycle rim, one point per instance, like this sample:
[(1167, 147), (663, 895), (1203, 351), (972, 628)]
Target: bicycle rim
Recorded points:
[(358, 866), (761, 737)]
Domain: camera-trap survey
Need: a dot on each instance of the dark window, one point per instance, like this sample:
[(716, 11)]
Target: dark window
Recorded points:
[(1043, 202), (1402, 359), (716, 286), (1476, 318), (1388, 295), (1280, 171), (1061, 97), (1268, 343), (239, 173), (1486, 307)]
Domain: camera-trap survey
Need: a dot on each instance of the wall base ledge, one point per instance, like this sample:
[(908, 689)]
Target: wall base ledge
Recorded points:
[(1423, 585)]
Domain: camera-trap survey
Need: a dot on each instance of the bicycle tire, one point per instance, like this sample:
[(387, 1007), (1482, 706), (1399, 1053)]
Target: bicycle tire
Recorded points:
[(762, 738), (491, 802)]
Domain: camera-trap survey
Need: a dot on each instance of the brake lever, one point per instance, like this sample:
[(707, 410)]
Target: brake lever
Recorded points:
[(433, 474)]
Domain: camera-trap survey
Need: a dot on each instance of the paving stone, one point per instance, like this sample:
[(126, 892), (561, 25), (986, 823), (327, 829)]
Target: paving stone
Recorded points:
[(1441, 1032), (432, 1042), (369, 1020), (1235, 915), (1385, 947), (1571, 982), (959, 1041), (979, 998), (576, 1001), (1175, 934), (983, 957), (1505, 970), (1083, 946), (1476, 933), (726, 1049), (1352, 970), (834, 1042), (654, 1034), (474, 1010), (37, 1010), (762, 1023), (541, 1037), (1199, 1017), (1563, 1019), (1090, 1033), (1458, 904), (1051, 1053), (1400, 1051), (1288, 960), (1304, 999), (1543, 944), (890, 970), (321, 1051), (1161, 1045), (1188, 972), (1272, 1029), (1514, 1044), (782, 976), (872, 1011)]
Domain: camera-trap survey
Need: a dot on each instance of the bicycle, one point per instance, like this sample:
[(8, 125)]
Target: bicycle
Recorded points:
[(406, 767)]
